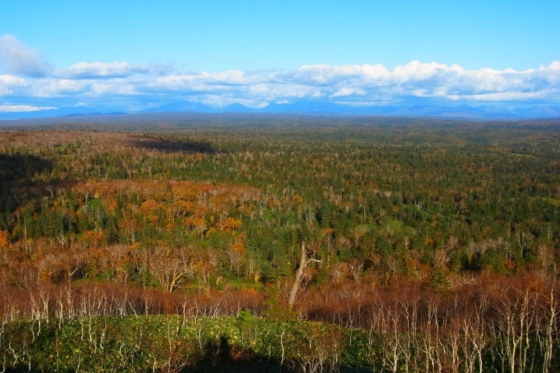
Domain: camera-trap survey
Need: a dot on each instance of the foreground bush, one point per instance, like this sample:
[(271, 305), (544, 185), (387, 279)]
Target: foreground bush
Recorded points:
[(174, 344)]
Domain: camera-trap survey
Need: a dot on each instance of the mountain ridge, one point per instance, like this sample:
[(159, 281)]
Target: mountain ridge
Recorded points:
[(311, 106)]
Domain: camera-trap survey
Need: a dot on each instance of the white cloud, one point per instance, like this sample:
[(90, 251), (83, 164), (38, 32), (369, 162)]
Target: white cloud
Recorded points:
[(347, 91), (10, 83), (23, 108), (360, 85), (51, 87), (11, 80), (16, 58), (96, 70), (503, 96), (101, 88)]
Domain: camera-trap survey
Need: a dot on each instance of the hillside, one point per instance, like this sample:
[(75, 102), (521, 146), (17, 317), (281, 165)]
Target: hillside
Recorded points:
[(436, 242)]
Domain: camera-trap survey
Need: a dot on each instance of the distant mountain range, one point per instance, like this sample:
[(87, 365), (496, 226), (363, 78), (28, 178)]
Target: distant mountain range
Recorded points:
[(484, 112)]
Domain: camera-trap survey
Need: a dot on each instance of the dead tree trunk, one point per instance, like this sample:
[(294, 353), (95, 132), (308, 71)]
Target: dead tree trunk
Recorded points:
[(303, 262)]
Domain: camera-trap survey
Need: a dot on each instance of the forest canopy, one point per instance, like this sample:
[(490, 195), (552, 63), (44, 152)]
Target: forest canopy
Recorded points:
[(209, 214)]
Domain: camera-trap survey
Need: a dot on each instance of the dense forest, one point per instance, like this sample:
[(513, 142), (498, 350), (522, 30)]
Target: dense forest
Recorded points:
[(280, 243)]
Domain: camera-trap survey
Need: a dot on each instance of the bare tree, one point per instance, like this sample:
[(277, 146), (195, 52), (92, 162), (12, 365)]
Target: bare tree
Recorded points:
[(303, 262), (168, 267)]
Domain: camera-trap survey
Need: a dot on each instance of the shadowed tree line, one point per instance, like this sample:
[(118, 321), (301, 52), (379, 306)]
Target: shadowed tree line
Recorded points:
[(167, 145), (21, 167)]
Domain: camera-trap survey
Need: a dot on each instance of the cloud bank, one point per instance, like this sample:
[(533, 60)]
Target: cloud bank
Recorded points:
[(18, 59), (25, 78), (22, 108)]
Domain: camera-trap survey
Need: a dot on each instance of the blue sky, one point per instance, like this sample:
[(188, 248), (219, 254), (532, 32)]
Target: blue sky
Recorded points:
[(140, 54)]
